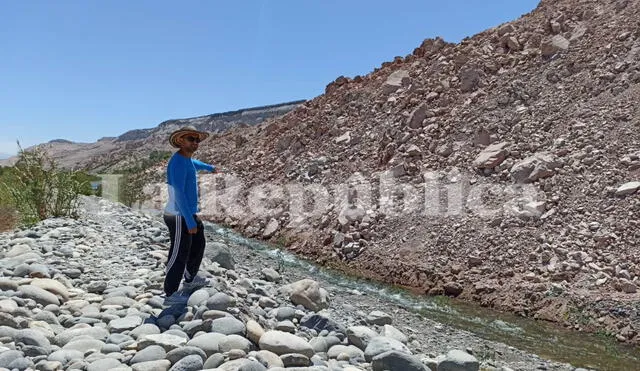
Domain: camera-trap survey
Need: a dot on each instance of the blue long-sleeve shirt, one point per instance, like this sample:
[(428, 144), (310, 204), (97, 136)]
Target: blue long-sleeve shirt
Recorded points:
[(183, 186)]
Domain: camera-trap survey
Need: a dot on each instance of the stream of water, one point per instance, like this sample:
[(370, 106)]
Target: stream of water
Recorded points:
[(544, 339)]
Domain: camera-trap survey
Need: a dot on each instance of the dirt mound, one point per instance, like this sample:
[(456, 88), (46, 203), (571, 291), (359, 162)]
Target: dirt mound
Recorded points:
[(499, 170)]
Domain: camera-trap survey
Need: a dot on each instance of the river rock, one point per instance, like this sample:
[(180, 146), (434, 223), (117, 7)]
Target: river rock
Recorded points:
[(307, 293), (394, 360), (281, 343), (458, 360)]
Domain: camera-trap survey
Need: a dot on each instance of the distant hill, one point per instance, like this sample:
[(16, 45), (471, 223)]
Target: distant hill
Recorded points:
[(112, 153)]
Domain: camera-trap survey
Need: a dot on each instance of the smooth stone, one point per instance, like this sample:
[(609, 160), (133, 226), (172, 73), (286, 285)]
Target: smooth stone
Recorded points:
[(8, 356), (379, 318), (110, 348), (360, 336), (84, 345), (295, 360), (395, 360), (118, 338), (214, 314), (53, 286), (228, 326), (232, 342), (122, 301), (144, 329), (189, 363), (254, 331), (65, 356), (104, 364), (392, 332), (45, 365), (148, 354), (458, 360), (41, 296), (285, 313), (220, 301), (9, 320), (281, 343), (269, 358), (166, 341), (177, 354), (124, 324), (159, 365), (352, 351), (7, 284), (33, 337), (199, 297), (209, 342), (383, 344), (214, 361), (197, 325), (21, 364), (244, 365), (68, 335), (286, 326)]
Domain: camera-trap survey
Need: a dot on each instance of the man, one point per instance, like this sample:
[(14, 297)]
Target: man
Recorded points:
[(180, 215)]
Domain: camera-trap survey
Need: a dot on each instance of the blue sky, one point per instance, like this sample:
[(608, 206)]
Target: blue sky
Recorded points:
[(82, 70)]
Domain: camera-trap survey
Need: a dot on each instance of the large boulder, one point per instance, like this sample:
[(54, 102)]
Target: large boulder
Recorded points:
[(280, 342), (628, 188), (541, 165), (221, 254), (307, 293), (395, 81), (556, 44), (491, 156), (458, 360)]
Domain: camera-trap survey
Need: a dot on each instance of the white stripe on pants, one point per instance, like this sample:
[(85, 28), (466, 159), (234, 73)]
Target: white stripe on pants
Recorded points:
[(176, 244)]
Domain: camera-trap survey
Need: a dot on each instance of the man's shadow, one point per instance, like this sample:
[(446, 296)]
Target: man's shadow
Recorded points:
[(175, 310)]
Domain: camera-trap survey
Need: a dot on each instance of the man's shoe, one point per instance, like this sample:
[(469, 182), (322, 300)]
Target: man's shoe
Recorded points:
[(197, 283), (177, 298)]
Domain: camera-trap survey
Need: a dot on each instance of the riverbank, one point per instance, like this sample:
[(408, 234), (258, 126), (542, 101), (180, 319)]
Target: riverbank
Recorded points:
[(465, 324), (85, 294)]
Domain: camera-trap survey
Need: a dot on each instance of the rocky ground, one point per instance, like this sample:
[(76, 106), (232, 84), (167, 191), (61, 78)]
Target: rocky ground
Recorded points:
[(85, 294)]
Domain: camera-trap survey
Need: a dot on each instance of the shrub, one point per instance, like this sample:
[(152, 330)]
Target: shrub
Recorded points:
[(40, 190), (8, 218), (135, 178), (132, 188)]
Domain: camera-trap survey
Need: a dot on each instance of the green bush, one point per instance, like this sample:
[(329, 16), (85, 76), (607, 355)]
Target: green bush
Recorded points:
[(132, 187), (134, 178), (38, 189)]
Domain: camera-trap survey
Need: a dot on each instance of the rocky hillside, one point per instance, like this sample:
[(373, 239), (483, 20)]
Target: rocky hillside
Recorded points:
[(114, 153), (502, 170)]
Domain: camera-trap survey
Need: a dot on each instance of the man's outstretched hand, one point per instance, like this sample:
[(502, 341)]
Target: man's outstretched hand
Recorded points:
[(193, 230)]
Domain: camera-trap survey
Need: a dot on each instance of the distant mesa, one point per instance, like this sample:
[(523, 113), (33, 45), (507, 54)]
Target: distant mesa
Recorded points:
[(116, 152), (61, 141), (135, 134)]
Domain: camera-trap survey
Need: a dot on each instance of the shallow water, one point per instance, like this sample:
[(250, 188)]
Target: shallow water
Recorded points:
[(545, 339)]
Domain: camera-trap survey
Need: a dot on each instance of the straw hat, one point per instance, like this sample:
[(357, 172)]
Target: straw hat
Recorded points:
[(186, 130)]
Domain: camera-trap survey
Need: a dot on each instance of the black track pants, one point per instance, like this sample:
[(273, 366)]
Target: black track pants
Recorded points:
[(185, 253)]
